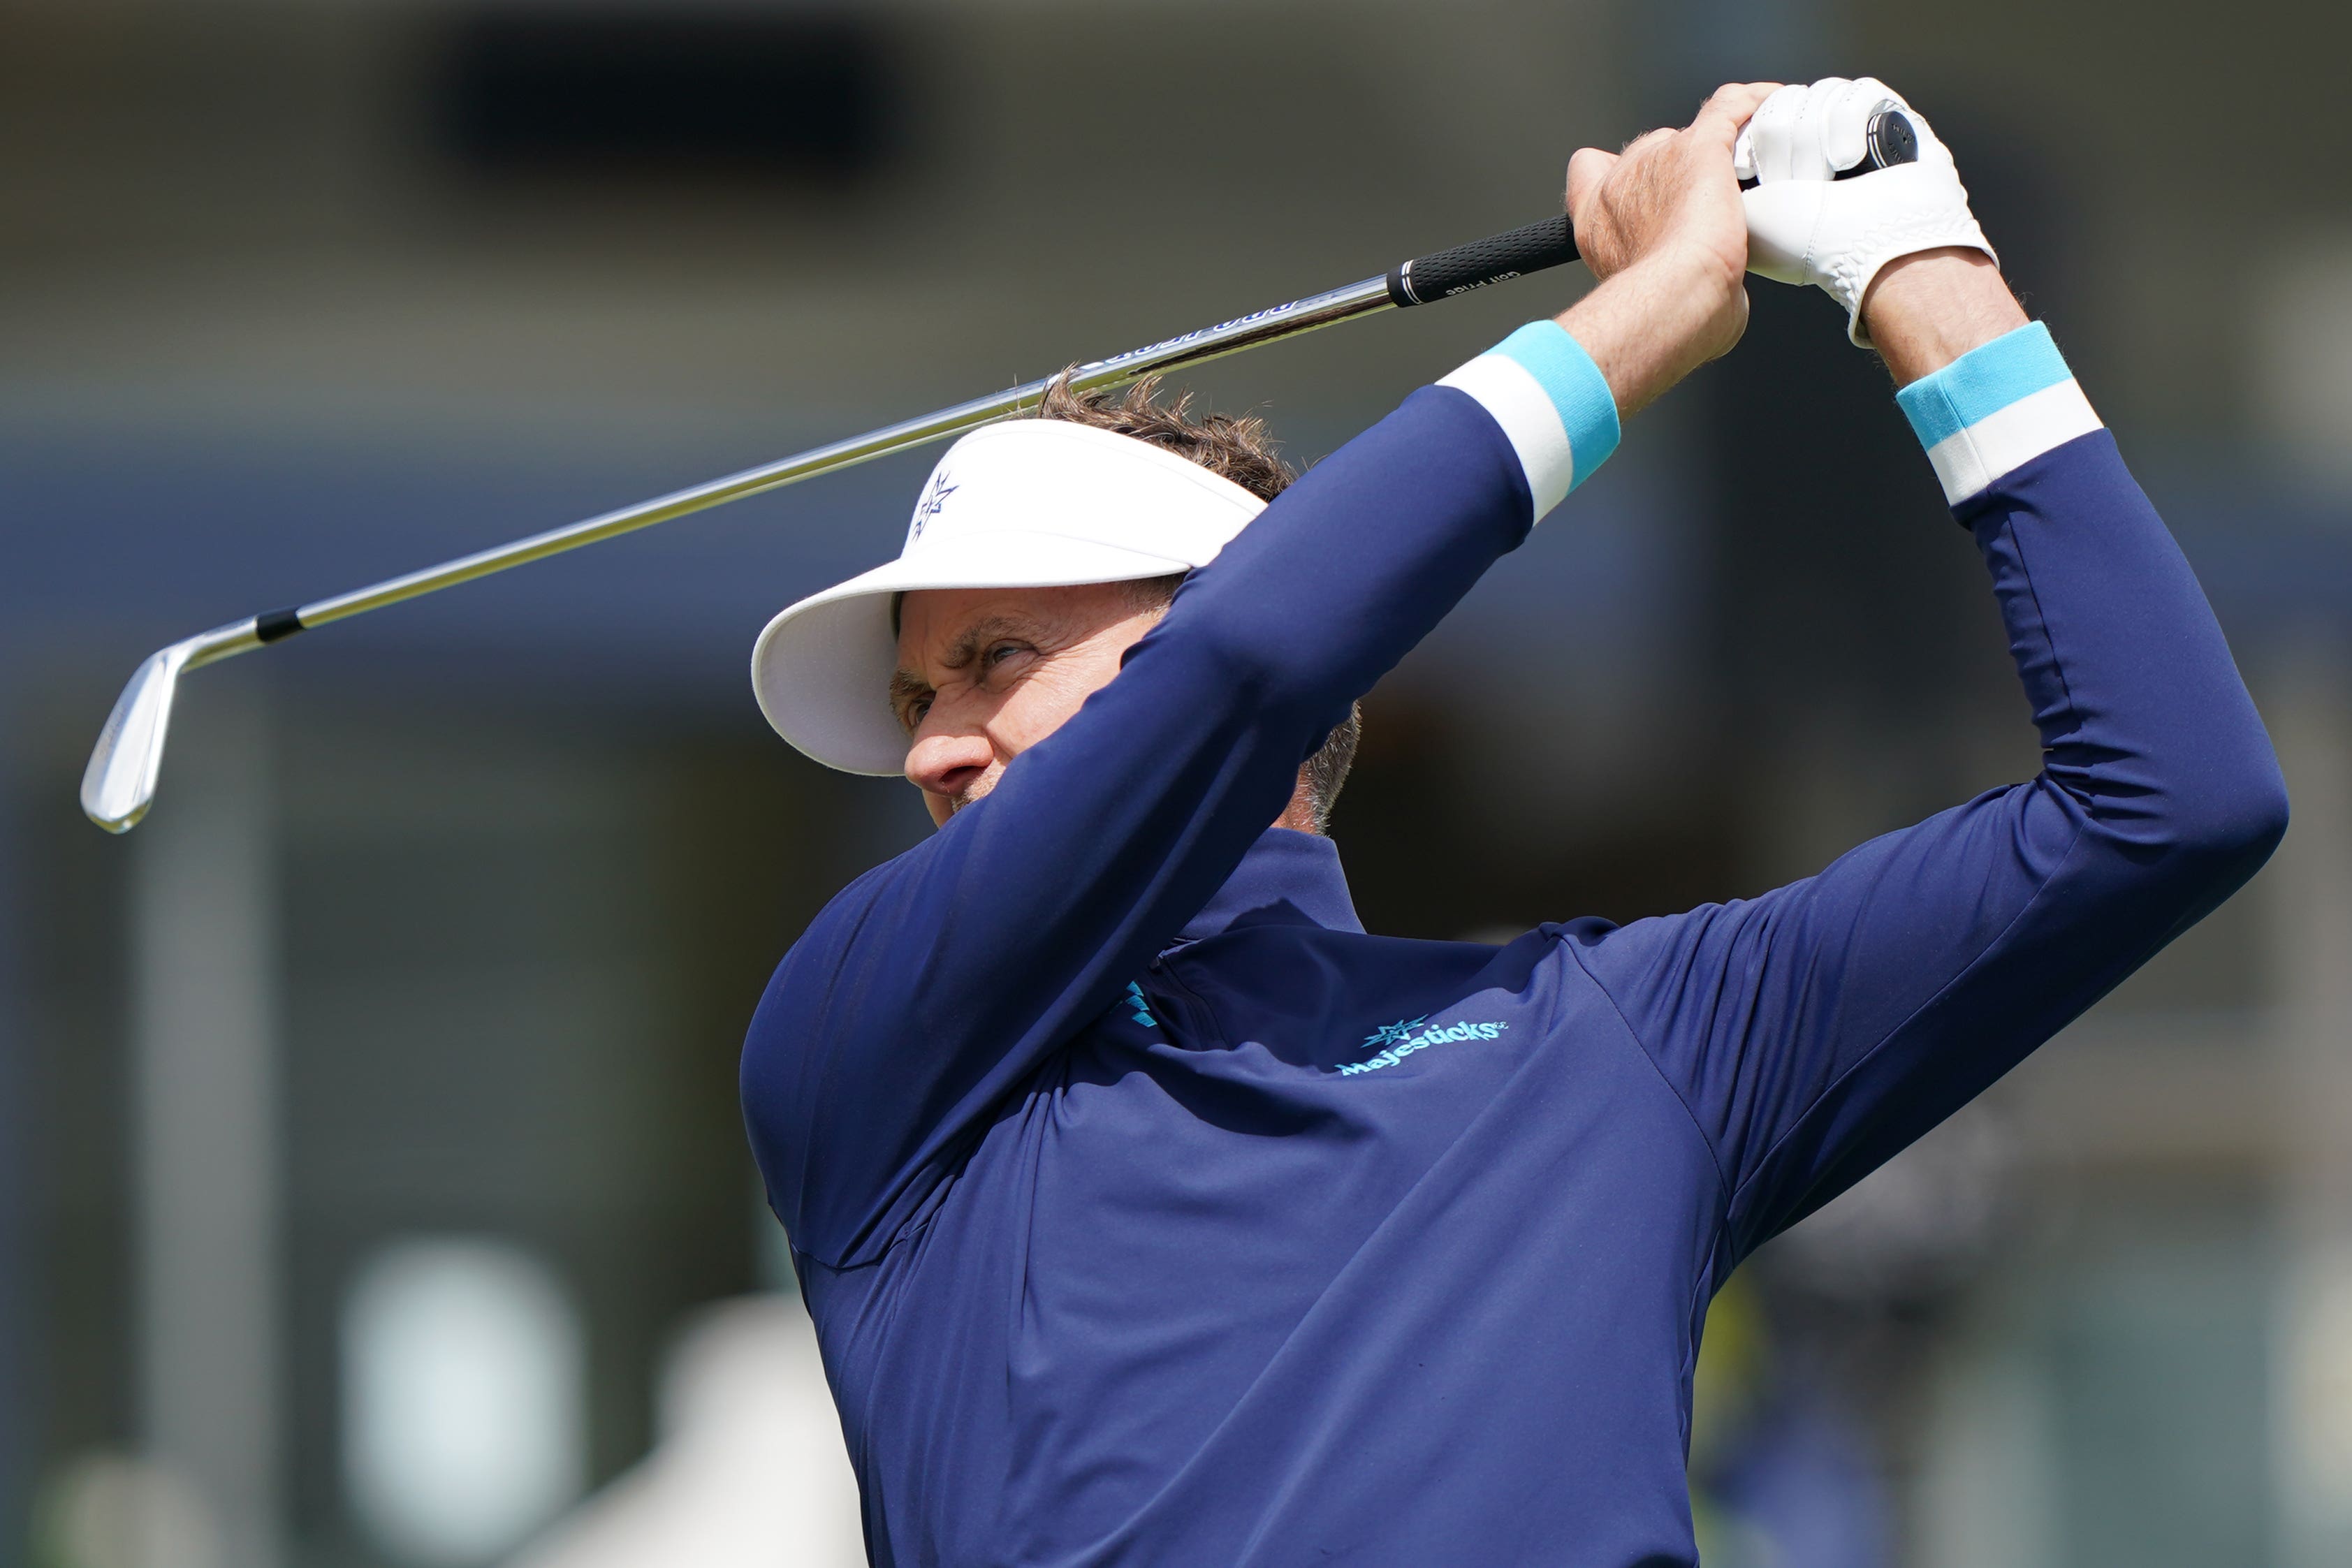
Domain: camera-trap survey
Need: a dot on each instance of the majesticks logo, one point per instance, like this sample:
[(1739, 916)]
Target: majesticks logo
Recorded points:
[(1397, 1041), (935, 498)]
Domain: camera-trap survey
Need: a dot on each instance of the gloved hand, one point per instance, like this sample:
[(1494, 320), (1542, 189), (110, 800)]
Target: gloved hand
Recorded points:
[(1805, 225)]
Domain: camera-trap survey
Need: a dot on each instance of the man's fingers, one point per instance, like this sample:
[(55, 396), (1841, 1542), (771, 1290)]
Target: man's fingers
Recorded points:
[(1586, 171), (1845, 121), (1721, 116), (1772, 133)]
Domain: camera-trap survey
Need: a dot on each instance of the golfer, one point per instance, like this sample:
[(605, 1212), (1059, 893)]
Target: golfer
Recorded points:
[(1151, 1212)]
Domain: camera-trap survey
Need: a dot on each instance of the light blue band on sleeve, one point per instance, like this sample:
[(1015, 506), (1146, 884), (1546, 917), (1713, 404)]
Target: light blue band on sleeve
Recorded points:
[(1995, 409), (1981, 382), (1546, 350)]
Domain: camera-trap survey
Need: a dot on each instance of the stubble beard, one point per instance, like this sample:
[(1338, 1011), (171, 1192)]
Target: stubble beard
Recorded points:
[(977, 790)]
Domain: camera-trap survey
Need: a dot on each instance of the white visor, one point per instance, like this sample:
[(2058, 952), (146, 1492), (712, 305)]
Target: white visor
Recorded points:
[(1034, 503)]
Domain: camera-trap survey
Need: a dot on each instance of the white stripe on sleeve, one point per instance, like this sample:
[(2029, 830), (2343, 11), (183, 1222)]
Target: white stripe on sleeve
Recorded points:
[(1511, 392), (2010, 437)]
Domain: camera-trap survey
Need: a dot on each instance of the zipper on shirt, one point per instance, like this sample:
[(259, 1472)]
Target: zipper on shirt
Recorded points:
[(1189, 1008)]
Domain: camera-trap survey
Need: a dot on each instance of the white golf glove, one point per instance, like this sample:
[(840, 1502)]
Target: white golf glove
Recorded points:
[(1805, 225)]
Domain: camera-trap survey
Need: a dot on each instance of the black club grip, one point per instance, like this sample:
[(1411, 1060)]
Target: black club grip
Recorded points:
[(1888, 140), (1442, 274)]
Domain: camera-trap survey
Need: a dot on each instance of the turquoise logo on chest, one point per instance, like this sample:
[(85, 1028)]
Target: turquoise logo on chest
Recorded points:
[(1397, 1041)]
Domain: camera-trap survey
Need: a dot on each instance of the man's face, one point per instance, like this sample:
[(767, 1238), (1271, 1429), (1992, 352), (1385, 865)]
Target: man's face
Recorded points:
[(986, 673)]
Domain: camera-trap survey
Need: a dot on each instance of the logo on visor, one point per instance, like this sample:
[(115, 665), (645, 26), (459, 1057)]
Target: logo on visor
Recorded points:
[(931, 502)]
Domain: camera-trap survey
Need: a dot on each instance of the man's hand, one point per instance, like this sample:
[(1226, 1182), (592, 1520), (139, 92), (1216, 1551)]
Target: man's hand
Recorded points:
[(1661, 225), (1897, 247)]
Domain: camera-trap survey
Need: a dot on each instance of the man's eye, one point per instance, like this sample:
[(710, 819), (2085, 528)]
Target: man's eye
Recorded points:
[(912, 714), (1000, 652)]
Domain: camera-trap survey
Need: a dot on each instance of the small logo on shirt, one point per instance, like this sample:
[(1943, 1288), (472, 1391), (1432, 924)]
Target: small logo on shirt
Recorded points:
[(1142, 1014), (1397, 1041), (930, 506)]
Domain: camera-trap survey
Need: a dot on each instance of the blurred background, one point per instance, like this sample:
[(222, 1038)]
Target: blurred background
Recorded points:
[(372, 1192)]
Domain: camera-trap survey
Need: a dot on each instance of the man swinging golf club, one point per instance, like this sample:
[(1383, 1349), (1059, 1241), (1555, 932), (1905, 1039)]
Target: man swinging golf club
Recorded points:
[(1149, 1212)]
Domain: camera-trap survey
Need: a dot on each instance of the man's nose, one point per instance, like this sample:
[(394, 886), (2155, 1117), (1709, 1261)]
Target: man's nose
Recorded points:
[(945, 765)]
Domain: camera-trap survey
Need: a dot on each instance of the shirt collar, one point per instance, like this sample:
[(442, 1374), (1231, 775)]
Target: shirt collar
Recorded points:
[(1286, 878)]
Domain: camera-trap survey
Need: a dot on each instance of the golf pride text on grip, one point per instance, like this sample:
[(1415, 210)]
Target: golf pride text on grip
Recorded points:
[(1495, 259)]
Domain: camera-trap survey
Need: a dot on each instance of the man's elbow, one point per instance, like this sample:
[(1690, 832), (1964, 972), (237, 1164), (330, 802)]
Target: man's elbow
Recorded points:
[(2230, 825)]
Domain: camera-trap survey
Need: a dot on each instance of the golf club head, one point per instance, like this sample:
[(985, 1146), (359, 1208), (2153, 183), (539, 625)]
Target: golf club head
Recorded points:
[(119, 785)]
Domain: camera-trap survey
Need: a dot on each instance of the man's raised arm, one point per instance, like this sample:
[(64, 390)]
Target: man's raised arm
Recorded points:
[(1816, 1030), (938, 982)]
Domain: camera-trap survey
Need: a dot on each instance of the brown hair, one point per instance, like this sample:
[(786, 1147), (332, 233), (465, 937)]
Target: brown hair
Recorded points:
[(1237, 447)]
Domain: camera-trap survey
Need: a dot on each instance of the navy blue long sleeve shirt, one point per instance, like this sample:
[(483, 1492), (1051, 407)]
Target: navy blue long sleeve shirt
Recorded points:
[(1150, 1212)]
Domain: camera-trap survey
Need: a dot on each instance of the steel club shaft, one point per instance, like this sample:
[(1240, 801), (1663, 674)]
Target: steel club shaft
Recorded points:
[(119, 784)]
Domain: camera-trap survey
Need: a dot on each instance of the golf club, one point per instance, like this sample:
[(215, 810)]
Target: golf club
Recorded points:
[(119, 785)]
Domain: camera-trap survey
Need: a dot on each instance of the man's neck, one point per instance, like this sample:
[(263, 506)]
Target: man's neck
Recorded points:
[(1298, 816)]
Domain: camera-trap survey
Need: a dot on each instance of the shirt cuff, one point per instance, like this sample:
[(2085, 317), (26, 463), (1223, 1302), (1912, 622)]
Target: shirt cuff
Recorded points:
[(1995, 408), (1553, 403)]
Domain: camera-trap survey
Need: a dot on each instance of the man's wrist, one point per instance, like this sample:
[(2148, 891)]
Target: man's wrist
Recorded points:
[(1651, 324), (1925, 310)]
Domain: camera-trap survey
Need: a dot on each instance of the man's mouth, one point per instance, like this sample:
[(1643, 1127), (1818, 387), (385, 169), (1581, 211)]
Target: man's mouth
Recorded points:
[(977, 791)]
